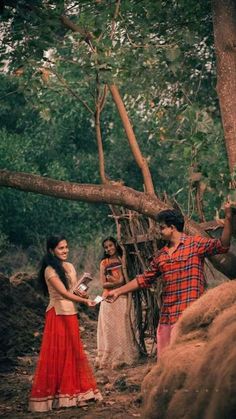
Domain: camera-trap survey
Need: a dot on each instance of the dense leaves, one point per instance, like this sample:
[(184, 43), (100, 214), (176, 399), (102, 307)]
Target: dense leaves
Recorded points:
[(160, 54)]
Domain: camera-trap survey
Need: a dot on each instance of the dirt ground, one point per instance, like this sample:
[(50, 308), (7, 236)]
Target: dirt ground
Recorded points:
[(22, 310), (120, 388)]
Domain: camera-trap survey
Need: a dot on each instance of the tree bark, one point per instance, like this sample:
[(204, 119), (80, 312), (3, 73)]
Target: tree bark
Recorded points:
[(109, 194), (140, 160), (100, 147), (100, 102), (224, 21)]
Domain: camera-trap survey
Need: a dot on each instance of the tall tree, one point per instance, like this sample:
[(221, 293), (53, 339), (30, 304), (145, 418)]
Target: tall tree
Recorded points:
[(224, 19), (143, 55)]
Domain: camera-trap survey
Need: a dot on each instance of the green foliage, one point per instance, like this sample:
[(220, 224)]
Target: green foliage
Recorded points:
[(61, 147), (160, 56)]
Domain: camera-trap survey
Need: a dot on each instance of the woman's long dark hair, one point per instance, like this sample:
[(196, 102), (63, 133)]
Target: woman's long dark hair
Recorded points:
[(50, 260), (119, 250)]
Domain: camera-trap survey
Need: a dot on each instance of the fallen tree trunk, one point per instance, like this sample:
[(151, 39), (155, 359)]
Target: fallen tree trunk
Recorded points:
[(109, 194)]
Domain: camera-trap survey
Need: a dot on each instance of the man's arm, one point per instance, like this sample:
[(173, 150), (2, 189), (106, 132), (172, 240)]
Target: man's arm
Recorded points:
[(125, 289), (144, 280), (227, 231), (209, 247)]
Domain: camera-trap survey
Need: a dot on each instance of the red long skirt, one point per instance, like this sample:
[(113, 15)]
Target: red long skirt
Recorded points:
[(63, 377)]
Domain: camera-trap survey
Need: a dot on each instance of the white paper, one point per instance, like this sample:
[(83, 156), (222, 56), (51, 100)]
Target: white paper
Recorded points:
[(98, 299), (82, 287)]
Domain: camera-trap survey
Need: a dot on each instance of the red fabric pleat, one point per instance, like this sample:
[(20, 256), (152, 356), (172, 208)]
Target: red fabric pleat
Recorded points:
[(63, 367)]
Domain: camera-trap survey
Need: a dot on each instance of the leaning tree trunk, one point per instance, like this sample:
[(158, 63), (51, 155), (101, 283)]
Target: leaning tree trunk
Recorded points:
[(140, 160), (224, 20), (110, 194)]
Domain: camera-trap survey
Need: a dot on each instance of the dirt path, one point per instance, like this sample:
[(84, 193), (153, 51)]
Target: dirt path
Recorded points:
[(120, 388)]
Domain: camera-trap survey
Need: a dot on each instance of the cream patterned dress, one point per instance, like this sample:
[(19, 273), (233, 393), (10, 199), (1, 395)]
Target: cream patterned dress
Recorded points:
[(115, 337)]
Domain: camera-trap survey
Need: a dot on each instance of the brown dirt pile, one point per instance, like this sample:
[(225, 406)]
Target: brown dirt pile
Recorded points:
[(21, 318), (196, 376), (22, 312)]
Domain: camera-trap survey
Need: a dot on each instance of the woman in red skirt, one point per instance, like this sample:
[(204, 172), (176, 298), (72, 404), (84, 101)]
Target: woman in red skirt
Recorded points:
[(63, 377)]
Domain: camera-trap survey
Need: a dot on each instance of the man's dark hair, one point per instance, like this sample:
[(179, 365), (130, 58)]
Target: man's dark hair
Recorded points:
[(171, 217)]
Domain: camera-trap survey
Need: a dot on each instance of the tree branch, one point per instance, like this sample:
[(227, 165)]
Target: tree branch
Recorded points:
[(65, 84), (140, 160), (113, 25), (103, 97), (117, 195), (109, 194), (101, 159), (88, 36)]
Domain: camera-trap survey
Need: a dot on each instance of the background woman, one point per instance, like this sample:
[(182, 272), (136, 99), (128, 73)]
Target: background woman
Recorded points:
[(115, 338), (63, 376)]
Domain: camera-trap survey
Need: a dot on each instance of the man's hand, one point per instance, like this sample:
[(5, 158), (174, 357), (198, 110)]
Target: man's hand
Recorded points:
[(112, 296), (227, 230), (228, 209)]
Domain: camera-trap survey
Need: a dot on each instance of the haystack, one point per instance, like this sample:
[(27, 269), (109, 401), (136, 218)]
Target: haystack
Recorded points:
[(196, 376)]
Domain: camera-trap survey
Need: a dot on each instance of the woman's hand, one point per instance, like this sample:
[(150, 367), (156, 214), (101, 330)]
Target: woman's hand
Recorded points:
[(80, 293), (90, 303)]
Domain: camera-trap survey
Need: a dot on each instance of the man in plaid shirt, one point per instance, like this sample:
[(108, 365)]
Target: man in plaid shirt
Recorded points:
[(180, 263)]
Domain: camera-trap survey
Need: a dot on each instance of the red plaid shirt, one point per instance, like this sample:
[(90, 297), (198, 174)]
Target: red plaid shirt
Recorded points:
[(182, 274)]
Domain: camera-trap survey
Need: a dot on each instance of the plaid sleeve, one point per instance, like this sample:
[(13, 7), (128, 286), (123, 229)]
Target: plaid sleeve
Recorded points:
[(146, 279), (209, 247)]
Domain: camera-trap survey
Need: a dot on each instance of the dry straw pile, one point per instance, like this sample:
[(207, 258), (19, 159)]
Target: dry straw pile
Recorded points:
[(196, 376)]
